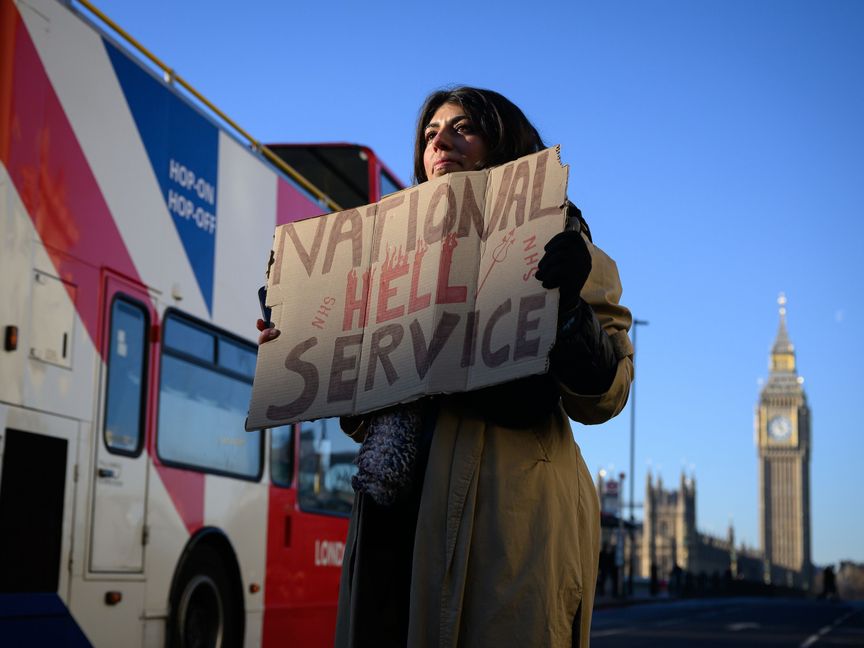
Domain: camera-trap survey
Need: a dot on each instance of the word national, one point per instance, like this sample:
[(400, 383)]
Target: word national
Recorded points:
[(430, 290)]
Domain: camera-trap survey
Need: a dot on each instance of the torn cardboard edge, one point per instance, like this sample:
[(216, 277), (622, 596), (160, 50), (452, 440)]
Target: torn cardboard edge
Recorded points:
[(430, 290)]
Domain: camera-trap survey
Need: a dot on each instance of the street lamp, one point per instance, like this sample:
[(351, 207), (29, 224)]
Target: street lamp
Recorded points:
[(636, 324), (619, 578)]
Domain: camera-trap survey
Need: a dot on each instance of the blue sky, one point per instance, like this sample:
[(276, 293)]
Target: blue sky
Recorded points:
[(715, 147)]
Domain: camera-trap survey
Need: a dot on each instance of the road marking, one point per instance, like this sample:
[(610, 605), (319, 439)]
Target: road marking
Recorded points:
[(809, 641), (607, 633), (744, 625), (663, 624)]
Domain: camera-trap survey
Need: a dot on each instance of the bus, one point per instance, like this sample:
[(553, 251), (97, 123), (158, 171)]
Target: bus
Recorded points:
[(135, 221)]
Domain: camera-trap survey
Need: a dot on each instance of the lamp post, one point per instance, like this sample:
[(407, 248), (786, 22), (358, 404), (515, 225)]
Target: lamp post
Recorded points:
[(636, 324), (619, 546)]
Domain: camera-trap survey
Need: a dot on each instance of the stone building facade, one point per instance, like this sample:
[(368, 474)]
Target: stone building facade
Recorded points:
[(668, 541)]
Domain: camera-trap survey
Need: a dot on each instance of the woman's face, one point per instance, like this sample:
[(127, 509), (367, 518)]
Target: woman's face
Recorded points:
[(452, 143)]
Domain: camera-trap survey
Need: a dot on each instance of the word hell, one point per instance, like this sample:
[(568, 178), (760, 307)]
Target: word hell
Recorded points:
[(345, 370), (394, 267)]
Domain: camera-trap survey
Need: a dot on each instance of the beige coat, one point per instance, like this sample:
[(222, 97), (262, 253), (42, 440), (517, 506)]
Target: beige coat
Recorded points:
[(508, 530)]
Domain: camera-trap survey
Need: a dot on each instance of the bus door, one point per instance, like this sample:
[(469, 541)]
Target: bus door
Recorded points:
[(120, 482), (37, 492)]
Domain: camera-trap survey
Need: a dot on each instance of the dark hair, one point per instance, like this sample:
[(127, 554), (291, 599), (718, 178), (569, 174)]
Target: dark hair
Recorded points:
[(505, 129)]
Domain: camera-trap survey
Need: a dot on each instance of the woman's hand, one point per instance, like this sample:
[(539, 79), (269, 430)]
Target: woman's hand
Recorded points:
[(267, 333), (565, 265)]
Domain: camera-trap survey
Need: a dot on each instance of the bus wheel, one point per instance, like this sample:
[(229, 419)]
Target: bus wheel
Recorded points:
[(205, 609)]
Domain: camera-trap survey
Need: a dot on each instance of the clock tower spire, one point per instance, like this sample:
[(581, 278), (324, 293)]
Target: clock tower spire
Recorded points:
[(783, 443), (783, 353)]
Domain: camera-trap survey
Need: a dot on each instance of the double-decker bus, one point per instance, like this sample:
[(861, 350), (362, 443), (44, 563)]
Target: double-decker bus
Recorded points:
[(135, 221)]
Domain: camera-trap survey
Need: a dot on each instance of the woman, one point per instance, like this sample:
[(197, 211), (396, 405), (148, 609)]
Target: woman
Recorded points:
[(489, 532)]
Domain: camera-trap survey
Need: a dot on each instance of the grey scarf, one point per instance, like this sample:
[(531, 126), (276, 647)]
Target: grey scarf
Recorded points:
[(387, 455)]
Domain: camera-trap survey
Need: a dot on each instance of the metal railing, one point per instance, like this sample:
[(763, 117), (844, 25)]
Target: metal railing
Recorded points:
[(172, 77)]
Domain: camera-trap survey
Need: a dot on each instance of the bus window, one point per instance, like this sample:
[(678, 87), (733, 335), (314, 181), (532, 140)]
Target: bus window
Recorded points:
[(281, 455), (190, 340), (326, 467), (340, 171), (237, 358), (388, 184), (125, 393), (203, 405)]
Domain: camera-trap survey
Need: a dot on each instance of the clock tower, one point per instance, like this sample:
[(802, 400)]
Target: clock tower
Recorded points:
[(783, 441)]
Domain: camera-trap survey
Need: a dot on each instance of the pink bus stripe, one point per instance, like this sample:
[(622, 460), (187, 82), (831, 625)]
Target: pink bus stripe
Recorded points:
[(61, 195)]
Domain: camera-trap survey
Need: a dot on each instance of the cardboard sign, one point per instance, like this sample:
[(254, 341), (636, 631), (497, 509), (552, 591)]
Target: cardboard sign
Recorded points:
[(430, 290)]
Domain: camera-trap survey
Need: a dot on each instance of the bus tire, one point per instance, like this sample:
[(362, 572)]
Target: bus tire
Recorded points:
[(206, 610)]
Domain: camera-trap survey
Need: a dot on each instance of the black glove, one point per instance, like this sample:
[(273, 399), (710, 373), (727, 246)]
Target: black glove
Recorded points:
[(566, 266)]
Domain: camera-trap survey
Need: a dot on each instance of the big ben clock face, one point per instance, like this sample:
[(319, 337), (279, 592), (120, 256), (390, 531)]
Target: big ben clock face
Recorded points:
[(779, 428)]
